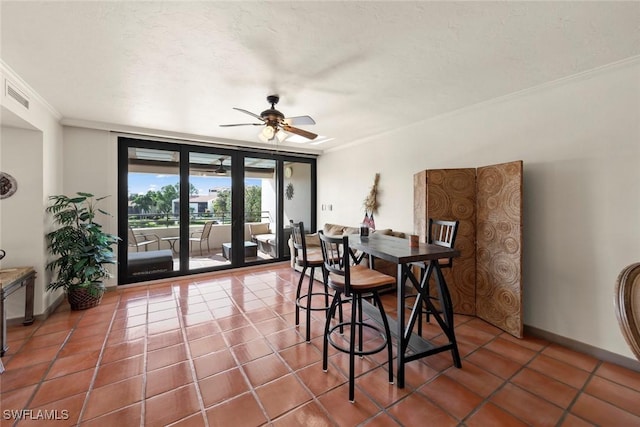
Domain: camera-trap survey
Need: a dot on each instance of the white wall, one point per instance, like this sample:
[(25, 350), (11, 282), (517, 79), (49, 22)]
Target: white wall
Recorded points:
[(31, 153), (91, 165), (580, 143), (297, 209)]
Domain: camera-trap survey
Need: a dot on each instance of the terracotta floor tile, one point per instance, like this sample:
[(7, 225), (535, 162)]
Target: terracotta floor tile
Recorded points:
[(13, 379), (284, 339), (416, 373), (28, 358), (613, 393), (62, 387), (271, 326), (559, 370), (79, 345), (282, 395), (511, 350), (475, 378), (472, 335), (491, 415), (545, 387), (602, 413), (526, 406), (222, 386), (128, 415), (63, 412), (123, 350), (265, 369), (166, 356), (214, 363), (301, 415), (345, 413), (494, 363), (167, 339), (320, 382), (254, 368), (74, 363), (619, 375), (168, 378), (441, 390), (16, 399), (241, 335), (171, 406), (242, 410), (415, 409), (251, 350), (119, 370), (163, 326), (571, 420), (91, 330), (41, 341), (381, 420), (301, 355), (571, 357), (376, 385), (113, 396)]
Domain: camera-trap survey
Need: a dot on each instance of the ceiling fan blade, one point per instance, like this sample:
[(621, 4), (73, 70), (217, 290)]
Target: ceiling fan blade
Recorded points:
[(299, 120), (249, 113), (301, 132), (243, 124)]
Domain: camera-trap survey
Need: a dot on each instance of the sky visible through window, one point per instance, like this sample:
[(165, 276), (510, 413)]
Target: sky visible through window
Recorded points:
[(141, 183)]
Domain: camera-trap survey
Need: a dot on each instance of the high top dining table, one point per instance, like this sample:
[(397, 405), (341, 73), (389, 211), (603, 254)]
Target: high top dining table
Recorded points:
[(397, 250)]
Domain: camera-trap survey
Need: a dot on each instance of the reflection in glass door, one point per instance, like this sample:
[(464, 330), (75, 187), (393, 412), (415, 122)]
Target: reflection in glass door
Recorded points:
[(297, 195), (260, 209), (153, 214), (209, 210)]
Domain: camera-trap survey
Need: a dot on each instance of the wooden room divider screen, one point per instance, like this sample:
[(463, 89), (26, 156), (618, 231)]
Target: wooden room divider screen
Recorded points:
[(486, 280)]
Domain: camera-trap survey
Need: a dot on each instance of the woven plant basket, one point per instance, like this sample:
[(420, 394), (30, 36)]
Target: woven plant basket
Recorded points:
[(80, 299)]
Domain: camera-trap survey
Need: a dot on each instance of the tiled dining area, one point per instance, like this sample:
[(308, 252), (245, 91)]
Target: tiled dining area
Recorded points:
[(222, 350)]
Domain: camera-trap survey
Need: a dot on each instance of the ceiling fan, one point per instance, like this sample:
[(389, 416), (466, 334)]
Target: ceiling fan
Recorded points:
[(274, 122), (220, 170)]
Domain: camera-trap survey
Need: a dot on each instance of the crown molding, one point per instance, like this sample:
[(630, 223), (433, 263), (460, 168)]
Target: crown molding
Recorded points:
[(14, 78), (180, 136)]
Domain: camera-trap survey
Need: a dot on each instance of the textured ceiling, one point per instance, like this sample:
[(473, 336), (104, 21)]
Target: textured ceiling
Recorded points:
[(358, 68)]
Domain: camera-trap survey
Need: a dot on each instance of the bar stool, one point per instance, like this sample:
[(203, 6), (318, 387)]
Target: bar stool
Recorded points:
[(307, 259), (354, 282)]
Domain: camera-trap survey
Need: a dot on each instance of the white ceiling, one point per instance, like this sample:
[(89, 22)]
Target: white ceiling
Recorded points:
[(358, 68)]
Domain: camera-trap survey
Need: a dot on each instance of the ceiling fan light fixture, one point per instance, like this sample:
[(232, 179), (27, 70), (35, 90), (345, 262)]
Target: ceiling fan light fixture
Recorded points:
[(268, 132), (220, 170)]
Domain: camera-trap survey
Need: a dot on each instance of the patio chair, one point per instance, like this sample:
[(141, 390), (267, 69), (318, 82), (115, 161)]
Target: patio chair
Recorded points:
[(141, 239), (201, 236)]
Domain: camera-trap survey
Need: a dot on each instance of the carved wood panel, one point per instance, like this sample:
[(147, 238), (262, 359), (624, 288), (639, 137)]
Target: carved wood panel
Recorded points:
[(450, 194), (499, 246)]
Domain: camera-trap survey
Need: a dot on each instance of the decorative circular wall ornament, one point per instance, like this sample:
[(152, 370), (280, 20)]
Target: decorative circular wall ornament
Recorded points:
[(288, 172), (289, 191), (8, 185)]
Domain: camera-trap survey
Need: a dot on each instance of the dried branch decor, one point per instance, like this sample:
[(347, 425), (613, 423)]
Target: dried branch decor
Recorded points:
[(371, 203)]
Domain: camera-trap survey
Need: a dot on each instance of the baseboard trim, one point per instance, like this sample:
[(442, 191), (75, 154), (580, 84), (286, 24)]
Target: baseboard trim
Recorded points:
[(596, 352), (41, 317)]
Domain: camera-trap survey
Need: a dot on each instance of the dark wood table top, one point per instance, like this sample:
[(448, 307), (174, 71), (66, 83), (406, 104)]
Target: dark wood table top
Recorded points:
[(397, 250)]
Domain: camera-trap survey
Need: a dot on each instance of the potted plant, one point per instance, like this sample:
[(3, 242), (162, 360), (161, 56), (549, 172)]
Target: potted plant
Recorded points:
[(82, 249)]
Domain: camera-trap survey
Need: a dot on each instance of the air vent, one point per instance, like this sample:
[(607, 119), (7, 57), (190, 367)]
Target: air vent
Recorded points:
[(17, 95)]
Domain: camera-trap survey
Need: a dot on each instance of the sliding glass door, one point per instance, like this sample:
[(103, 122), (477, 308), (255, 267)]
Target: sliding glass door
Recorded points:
[(187, 208)]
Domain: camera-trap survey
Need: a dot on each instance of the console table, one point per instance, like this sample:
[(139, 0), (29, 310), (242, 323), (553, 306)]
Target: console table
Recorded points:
[(12, 279)]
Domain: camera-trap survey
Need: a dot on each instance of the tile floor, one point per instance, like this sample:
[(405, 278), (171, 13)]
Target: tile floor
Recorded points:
[(223, 351)]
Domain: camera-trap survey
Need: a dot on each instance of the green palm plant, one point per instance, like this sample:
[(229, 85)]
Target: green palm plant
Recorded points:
[(82, 249)]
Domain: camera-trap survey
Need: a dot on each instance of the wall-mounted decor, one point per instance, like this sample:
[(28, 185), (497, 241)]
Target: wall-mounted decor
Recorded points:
[(371, 204), (8, 185), (289, 191)]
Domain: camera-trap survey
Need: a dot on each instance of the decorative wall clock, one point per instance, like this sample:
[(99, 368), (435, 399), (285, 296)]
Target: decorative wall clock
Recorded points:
[(289, 191), (8, 185)]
